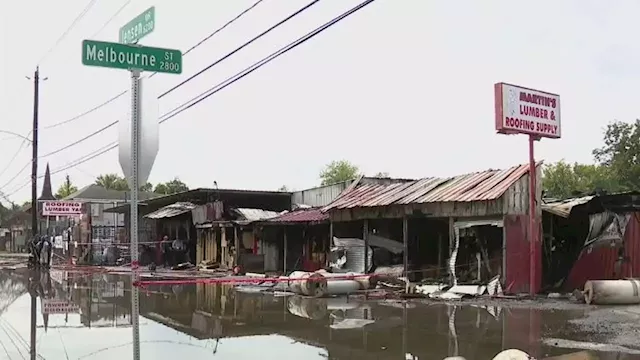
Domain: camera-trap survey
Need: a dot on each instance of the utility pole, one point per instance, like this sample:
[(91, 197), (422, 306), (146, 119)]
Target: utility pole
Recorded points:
[(34, 201), (34, 156)]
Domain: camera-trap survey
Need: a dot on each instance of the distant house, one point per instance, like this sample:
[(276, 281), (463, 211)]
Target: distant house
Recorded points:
[(97, 199)]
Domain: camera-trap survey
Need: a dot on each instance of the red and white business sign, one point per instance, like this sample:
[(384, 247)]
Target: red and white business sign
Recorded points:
[(57, 306), (61, 208), (526, 111)]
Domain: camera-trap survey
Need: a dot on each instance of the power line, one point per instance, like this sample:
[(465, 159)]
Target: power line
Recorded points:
[(79, 140), (206, 94), (95, 108), (241, 14), (24, 141), (108, 101), (296, 13), (66, 32), (111, 18), (300, 11), (201, 42), (16, 175), (196, 100)]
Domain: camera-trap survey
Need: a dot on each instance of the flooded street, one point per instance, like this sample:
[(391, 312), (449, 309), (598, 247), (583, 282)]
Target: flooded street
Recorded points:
[(220, 322)]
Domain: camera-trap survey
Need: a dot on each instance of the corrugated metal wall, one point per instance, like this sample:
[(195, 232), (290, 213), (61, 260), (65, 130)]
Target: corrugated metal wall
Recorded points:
[(319, 196), (599, 263), (517, 249)]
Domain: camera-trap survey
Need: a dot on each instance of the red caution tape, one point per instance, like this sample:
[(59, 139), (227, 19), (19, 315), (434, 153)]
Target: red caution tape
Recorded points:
[(242, 280)]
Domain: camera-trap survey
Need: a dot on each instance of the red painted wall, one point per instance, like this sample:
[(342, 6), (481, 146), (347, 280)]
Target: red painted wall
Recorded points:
[(517, 259), (599, 263)]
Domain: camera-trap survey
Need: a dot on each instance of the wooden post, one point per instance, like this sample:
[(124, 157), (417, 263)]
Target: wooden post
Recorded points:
[(452, 242), (284, 256), (405, 242), (236, 244), (365, 235), (224, 246), (326, 259), (439, 254)]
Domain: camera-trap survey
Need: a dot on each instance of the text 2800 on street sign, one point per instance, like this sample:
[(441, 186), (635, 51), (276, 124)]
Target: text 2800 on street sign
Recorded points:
[(120, 56)]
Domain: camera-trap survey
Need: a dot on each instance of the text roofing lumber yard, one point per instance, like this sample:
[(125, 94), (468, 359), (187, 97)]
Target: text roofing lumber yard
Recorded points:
[(120, 56)]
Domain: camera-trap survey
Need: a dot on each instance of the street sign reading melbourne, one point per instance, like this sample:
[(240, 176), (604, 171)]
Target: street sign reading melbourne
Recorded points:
[(141, 26), (121, 56)]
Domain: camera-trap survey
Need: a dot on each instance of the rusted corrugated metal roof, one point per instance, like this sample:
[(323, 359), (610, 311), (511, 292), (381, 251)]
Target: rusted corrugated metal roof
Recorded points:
[(301, 216), (251, 215), (172, 210), (478, 186), (563, 207)]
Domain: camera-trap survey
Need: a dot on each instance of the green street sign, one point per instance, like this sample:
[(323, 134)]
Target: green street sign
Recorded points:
[(141, 26), (121, 56)]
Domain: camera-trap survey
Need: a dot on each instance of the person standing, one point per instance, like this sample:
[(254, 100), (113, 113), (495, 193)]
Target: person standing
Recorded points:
[(177, 248), (165, 250)]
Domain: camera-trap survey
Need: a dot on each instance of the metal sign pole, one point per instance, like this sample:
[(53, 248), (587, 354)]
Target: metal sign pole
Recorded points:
[(135, 148)]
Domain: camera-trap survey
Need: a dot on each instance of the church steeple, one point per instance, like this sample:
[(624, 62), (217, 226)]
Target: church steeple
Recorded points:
[(47, 192)]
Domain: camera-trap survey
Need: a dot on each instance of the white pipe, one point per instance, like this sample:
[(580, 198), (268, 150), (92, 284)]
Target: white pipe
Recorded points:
[(612, 292), (309, 284), (294, 286), (342, 287)]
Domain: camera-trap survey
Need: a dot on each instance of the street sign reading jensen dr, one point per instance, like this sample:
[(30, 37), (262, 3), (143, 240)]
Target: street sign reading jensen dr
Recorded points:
[(121, 56), (141, 26)]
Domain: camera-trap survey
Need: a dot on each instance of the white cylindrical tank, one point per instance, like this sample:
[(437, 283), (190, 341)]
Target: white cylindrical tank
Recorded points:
[(342, 287), (612, 292), (513, 354)]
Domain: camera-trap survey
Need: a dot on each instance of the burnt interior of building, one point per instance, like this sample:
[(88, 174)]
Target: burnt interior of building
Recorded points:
[(564, 237)]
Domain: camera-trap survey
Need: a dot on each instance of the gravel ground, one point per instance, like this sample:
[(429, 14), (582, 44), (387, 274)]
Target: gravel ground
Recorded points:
[(606, 328)]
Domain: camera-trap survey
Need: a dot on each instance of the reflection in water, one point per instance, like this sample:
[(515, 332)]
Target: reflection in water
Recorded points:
[(210, 319)]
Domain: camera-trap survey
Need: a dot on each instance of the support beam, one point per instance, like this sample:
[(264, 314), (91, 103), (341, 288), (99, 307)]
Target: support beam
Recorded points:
[(284, 256), (405, 243), (440, 261), (365, 236), (326, 260), (236, 245), (452, 242)]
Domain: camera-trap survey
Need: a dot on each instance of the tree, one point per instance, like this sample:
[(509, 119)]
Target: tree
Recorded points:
[(66, 189), (338, 171), (5, 214), (116, 182), (171, 187), (563, 180), (283, 188), (112, 182), (147, 187), (621, 153), (381, 175)]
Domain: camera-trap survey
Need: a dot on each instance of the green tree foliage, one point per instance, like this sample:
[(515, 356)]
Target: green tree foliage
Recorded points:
[(338, 171), (171, 187), (621, 153), (562, 180), (117, 182), (67, 188), (112, 182), (5, 214), (617, 166)]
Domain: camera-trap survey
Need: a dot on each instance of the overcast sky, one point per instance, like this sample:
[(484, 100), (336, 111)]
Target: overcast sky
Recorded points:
[(404, 86)]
